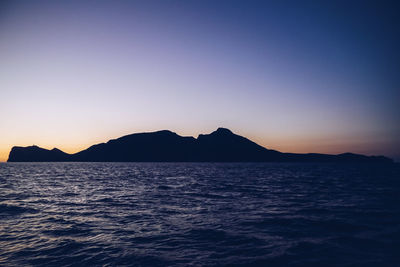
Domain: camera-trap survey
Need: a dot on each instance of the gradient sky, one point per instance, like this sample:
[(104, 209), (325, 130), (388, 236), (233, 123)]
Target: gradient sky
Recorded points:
[(296, 76)]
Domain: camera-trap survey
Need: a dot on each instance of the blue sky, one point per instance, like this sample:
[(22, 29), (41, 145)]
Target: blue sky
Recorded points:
[(297, 76)]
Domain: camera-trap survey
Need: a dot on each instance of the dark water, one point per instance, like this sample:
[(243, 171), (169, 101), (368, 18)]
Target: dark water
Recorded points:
[(157, 214)]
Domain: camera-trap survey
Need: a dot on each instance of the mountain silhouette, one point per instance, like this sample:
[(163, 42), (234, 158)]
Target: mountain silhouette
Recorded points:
[(165, 146), (35, 153)]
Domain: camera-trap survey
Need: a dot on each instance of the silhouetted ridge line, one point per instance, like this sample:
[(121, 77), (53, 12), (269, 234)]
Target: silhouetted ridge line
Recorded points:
[(165, 146)]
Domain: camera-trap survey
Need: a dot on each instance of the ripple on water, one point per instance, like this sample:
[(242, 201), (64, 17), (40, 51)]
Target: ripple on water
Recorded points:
[(11, 210), (159, 214)]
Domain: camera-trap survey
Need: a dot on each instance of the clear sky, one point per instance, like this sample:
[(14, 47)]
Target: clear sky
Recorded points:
[(296, 76)]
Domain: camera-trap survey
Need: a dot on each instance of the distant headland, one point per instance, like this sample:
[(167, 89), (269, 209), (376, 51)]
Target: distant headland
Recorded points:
[(165, 146)]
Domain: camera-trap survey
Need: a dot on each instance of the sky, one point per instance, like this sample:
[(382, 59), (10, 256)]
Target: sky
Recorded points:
[(295, 76)]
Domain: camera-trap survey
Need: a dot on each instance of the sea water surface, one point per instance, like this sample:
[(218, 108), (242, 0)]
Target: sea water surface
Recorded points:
[(199, 214)]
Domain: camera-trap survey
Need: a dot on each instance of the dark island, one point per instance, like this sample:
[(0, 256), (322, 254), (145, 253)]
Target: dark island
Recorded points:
[(165, 146)]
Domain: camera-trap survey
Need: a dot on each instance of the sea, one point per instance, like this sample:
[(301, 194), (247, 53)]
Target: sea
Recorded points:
[(199, 214)]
